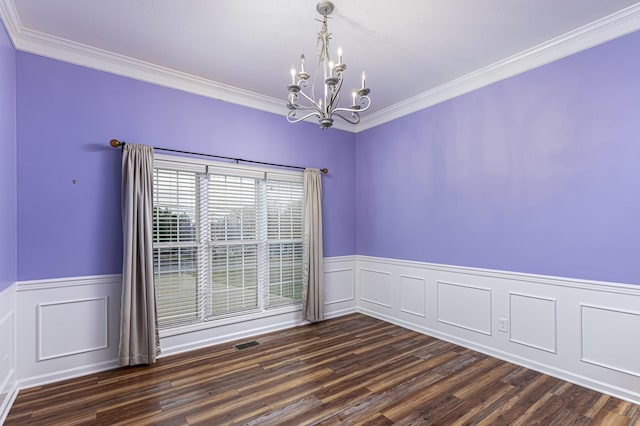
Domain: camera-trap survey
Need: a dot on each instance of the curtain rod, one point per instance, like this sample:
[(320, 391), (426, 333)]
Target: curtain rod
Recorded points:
[(116, 143)]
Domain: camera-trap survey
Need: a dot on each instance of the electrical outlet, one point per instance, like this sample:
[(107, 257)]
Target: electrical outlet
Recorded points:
[(503, 325)]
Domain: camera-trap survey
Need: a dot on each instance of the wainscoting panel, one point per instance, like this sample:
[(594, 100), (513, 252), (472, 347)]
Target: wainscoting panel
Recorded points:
[(339, 286), (610, 338), (465, 306), (8, 377), (577, 330), (375, 287), (67, 327), (89, 334), (533, 321), (414, 295)]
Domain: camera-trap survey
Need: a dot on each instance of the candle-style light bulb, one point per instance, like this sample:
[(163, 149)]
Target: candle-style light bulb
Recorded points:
[(339, 55), (293, 75), (302, 63), (330, 68), (363, 78), (353, 95)]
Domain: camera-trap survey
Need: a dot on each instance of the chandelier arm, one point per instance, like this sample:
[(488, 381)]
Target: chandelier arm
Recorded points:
[(355, 110), (355, 121), (310, 99), (361, 109), (291, 115)]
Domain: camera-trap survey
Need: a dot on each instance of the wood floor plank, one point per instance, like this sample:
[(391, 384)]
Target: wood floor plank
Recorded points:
[(349, 370)]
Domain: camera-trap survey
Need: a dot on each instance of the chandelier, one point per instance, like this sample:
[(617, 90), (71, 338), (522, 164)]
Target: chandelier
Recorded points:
[(326, 105)]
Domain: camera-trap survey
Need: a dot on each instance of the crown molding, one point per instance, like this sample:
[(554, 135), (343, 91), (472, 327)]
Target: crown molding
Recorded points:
[(600, 31), (595, 33), (30, 41), (9, 16)]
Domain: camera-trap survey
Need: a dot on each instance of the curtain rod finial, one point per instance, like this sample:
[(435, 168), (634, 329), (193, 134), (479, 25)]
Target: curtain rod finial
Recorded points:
[(115, 143), (324, 171)]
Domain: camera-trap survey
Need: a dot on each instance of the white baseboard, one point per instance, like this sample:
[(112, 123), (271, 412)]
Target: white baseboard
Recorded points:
[(69, 373), (553, 325)]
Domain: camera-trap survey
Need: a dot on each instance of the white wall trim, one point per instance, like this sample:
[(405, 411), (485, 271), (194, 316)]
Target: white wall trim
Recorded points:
[(610, 287), (35, 285), (559, 373), (72, 360), (70, 373), (551, 331), (600, 31), (568, 296), (8, 355), (8, 294), (218, 339)]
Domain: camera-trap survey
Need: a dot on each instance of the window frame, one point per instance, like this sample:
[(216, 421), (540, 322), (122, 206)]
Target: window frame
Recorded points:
[(210, 167)]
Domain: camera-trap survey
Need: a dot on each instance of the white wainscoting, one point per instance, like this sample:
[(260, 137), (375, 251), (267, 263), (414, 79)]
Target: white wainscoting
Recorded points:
[(8, 368), (70, 327), (67, 327), (581, 331)]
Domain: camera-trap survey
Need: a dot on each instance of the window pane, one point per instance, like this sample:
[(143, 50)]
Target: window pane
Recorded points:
[(174, 206), (234, 278), (284, 210), (175, 271), (285, 273), (233, 206)]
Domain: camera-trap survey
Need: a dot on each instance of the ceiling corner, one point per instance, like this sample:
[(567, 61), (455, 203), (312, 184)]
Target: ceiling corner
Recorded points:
[(9, 16), (593, 34)]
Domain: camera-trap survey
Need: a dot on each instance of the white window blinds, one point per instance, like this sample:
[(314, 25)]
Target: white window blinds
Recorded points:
[(284, 241), (175, 247), (226, 242)]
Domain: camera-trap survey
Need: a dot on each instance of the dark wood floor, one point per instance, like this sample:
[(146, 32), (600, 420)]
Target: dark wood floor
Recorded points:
[(349, 370)]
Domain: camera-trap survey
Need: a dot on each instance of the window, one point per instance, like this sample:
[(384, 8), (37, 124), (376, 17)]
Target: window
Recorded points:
[(227, 241)]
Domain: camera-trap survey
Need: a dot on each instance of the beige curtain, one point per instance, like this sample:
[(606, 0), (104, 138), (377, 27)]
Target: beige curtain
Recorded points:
[(139, 339), (312, 285)]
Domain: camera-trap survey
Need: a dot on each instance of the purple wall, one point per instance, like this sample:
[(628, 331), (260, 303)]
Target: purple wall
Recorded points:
[(539, 173), (8, 234), (66, 116)]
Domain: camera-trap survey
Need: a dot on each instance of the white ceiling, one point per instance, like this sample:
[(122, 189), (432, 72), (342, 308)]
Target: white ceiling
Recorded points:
[(407, 47)]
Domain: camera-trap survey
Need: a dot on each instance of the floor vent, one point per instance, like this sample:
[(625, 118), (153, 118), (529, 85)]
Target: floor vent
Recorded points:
[(246, 345)]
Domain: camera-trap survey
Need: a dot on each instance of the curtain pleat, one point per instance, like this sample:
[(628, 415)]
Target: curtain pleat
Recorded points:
[(312, 284), (139, 338)]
